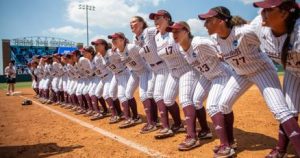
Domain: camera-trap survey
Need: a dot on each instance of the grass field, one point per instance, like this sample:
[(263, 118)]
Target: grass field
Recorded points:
[(18, 85)]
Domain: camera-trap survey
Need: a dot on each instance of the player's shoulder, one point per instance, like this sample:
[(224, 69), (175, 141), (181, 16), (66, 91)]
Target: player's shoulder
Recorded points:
[(197, 40), (243, 29), (132, 46), (150, 31)]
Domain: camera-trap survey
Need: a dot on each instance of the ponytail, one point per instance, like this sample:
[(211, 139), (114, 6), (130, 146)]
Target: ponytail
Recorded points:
[(235, 21), (290, 23)]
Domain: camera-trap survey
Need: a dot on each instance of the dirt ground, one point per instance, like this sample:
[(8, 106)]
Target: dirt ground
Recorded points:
[(33, 131)]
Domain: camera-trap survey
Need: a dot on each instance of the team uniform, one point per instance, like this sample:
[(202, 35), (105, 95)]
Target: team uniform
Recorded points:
[(100, 89), (272, 46), (140, 76), (202, 55), (159, 73), (56, 73), (119, 81), (182, 77)]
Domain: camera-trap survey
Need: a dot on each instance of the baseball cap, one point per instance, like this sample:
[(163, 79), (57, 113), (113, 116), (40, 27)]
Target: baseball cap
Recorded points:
[(116, 35), (178, 25), (160, 13), (272, 3), (219, 12), (99, 41), (89, 49)]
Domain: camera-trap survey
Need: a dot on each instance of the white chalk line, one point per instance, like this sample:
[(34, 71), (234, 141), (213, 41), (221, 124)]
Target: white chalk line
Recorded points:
[(139, 147)]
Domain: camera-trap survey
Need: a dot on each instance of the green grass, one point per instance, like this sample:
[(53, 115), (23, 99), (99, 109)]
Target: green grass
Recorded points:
[(18, 85)]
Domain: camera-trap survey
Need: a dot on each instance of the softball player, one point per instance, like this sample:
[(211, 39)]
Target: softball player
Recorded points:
[(282, 46), (65, 100), (86, 72), (56, 73), (47, 82), (240, 49), (139, 76), (35, 82), (73, 78), (145, 38), (10, 72), (182, 78), (101, 91), (118, 84), (201, 53), (40, 75)]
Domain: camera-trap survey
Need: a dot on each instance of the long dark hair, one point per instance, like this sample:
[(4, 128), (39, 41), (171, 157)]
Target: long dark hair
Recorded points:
[(289, 23), (224, 14), (140, 19)]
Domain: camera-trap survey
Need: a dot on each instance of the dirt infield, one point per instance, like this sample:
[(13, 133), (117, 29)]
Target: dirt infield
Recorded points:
[(33, 131)]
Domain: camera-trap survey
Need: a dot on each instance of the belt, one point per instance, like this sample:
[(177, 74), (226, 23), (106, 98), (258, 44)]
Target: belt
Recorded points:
[(152, 65), (104, 75), (122, 70)]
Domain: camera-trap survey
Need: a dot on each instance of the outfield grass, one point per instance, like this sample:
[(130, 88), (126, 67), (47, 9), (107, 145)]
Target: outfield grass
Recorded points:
[(18, 85)]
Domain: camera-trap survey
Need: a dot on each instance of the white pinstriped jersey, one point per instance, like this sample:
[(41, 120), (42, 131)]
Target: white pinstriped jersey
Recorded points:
[(202, 55), (100, 66), (47, 70), (241, 50), (114, 63), (72, 71), (149, 50), (169, 51), (132, 59), (272, 45), (40, 71), (56, 69), (85, 68)]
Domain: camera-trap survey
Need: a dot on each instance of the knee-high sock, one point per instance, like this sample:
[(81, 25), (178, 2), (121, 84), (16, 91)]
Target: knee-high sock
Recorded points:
[(89, 102), (126, 109), (154, 111), (133, 107), (103, 104), (190, 120), (220, 128), (292, 130), (110, 103), (147, 108), (201, 116), (229, 120), (95, 103), (163, 111), (175, 113), (80, 101), (118, 106)]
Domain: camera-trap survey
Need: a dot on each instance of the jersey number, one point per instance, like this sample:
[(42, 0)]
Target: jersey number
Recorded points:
[(132, 63), (146, 49), (169, 50), (203, 68), (112, 66), (239, 60)]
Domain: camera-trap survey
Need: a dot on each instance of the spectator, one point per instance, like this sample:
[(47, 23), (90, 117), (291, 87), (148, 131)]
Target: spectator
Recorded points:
[(10, 72)]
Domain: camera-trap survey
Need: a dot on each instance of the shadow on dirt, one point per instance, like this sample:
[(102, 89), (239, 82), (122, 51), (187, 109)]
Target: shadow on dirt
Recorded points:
[(42, 150)]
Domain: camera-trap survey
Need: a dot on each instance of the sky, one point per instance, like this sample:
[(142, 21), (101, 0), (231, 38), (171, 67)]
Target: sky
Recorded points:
[(64, 19)]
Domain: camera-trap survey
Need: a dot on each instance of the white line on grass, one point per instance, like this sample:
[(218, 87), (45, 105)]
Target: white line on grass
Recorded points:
[(120, 139)]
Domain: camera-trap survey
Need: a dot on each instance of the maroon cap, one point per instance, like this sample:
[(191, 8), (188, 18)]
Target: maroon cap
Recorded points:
[(178, 25), (160, 13), (116, 35), (98, 41), (209, 14), (219, 12), (270, 3), (89, 49)]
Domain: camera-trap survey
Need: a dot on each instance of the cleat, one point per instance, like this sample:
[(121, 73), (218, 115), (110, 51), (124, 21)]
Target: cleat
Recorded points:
[(204, 135), (188, 144), (224, 152), (164, 133), (277, 153), (178, 129), (148, 128)]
